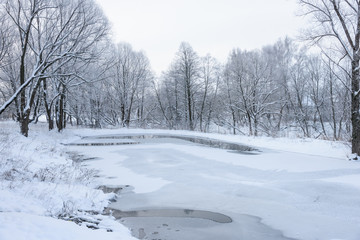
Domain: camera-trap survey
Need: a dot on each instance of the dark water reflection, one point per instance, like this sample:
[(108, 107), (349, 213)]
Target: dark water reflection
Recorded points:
[(173, 213), (180, 224), (198, 140)]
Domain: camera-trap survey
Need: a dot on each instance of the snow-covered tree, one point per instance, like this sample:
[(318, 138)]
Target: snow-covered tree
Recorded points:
[(131, 75), (337, 32), (52, 35)]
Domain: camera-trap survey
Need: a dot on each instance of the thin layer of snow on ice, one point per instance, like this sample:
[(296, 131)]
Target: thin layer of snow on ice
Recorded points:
[(307, 189), (267, 160), (300, 187), (296, 145), (113, 173)]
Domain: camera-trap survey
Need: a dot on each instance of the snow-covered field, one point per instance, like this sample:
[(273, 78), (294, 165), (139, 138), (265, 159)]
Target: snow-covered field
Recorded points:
[(307, 189)]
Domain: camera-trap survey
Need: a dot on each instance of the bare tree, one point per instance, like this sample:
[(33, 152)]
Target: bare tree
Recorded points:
[(299, 94), (251, 86), (187, 64), (6, 39), (339, 23), (338, 100), (168, 96), (210, 72), (5, 36), (23, 16), (131, 72), (318, 95), (187, 93), (280, 57), (52, 35)]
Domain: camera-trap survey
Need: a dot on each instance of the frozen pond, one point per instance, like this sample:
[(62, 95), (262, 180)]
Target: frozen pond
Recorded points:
[(174, 191)]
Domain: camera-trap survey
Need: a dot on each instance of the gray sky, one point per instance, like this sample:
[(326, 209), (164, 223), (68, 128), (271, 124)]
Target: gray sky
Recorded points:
[(210, 26)]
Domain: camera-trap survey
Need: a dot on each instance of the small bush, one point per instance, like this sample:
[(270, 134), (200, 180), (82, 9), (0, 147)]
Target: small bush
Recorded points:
[(65, 173)]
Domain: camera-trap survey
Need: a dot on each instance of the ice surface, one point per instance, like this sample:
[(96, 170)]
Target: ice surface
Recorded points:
[(293, 188), (289, 192)]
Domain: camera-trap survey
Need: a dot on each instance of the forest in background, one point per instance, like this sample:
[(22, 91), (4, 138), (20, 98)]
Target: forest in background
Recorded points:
[(57, 60)]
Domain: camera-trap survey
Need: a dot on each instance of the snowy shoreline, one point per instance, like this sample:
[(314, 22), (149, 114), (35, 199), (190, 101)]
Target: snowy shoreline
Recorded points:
[(39, 183), (47, 195)]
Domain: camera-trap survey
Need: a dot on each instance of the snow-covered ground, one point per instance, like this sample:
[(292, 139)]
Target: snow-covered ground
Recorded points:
[(40, 186), (305, 188)]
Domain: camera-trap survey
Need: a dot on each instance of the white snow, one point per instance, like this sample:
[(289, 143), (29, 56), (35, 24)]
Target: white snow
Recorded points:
[(305, 188), (38, 184), (23, 226)]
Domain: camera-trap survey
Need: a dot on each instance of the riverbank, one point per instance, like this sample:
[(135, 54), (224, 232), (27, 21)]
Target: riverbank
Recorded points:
[(308, 181), (44, 194)]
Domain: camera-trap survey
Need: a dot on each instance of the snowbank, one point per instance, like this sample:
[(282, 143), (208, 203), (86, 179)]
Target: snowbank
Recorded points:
[(40, 187)]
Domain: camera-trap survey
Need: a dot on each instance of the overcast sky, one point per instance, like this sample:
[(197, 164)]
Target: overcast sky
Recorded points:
[(210, 26)]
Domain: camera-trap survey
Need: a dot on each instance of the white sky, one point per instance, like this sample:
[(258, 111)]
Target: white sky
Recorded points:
[(210, 26)]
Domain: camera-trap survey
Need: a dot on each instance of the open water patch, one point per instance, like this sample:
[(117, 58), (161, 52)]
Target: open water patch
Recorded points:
[(172, 213), (137, 138), (117, 189), (180, 224), (101, 142), (161, 224)]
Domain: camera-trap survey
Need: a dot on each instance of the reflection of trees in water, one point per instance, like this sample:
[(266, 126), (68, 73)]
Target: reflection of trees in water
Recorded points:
[(173, 213), (199, 140)]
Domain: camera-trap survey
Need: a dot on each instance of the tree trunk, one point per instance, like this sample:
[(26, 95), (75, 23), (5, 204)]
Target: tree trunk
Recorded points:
[(191, 126), (60, 109), (255, 126), (24, 123), (333, 112), (355, 115), (249, 121), (47, 106), (122, 110)]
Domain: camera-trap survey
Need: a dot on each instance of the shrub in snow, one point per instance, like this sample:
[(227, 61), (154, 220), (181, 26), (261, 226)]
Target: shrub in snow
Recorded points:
[(38, 177), (14, 170), (65, 173)]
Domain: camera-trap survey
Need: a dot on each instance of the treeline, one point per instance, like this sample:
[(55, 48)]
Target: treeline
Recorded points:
[(280, 89), (57, 61)]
